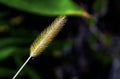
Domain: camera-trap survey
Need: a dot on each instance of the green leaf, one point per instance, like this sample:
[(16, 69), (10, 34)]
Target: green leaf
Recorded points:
[(92, 40), (10, 41), (46, 7), (6, 72), (91, 21), (3, 28), (32, 73), (2, 14), (107, 39), (99, 5), (105, 58), (6, 52)]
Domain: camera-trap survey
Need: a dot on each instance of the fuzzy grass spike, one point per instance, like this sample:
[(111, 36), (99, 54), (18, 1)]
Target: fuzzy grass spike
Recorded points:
[(46, 36), (44, 39)]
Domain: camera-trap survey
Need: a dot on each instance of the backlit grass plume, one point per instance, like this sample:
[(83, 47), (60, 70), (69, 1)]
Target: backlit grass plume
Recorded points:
[(44, 39), (46, 36)]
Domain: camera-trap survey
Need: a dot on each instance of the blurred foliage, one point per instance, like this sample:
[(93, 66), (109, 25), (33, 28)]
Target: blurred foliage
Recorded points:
[(99, 5), (6, 52), (4, 71)]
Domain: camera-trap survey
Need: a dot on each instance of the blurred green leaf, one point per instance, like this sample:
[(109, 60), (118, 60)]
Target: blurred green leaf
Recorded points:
[(105, 58), (46, 7), (67, 43), (92, 40), (2, 14), (4, 28), (7, 41), (101, 55), (107, 39), (10, 41), (6, 52), (32, 73), (6, 72), (91, 21), (99, 5)]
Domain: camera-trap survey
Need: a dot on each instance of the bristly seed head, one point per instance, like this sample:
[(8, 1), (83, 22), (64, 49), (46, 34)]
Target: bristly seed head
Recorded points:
[(47, 36)]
